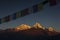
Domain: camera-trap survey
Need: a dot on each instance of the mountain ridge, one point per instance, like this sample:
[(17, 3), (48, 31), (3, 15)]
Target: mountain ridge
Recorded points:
[(35, 30), (26, 32)]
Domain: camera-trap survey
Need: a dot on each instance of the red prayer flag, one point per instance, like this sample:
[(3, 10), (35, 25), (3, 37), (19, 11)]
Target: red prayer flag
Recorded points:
[(52, 2)]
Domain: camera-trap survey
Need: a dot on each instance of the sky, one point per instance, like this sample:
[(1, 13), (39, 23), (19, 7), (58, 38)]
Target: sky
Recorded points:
[(48, 17)]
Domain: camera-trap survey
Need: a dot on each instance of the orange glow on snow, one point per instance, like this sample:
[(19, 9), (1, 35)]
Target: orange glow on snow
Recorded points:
[(50, 29)]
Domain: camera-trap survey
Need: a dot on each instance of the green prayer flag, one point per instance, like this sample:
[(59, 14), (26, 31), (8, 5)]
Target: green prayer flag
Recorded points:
[(18, 14)]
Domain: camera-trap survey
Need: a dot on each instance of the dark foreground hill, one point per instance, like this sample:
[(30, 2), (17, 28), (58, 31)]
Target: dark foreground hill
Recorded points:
[(30, 34)]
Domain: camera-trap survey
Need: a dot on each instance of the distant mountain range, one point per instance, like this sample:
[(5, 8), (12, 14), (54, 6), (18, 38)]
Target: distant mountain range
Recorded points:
[(25, 32)]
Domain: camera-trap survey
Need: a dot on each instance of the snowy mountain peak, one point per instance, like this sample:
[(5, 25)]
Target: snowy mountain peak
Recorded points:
[(51, 29), (38, 25), (23, 27), (35, 26)]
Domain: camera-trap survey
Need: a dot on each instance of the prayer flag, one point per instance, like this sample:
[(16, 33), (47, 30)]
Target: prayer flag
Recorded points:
[(30, 10), (35, 8), (25, 12), (46, 1), (0, 21), (5, 19), (52, 2), (18, 14), (40, 6), (13, 16)]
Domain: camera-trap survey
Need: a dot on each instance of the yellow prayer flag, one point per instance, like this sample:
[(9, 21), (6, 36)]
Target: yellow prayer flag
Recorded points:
[(3, 20), (40, 6)]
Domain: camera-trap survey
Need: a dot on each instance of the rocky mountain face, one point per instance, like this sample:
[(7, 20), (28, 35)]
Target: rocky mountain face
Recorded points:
[(26, 32)]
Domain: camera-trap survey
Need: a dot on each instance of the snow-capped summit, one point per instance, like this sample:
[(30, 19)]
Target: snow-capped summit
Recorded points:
[(35, 26), (38, 25), (23, 27), (51, 29)]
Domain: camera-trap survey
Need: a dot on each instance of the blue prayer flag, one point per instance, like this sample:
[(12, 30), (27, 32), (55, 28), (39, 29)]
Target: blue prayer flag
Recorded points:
[(35, 8), (25, 12)]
